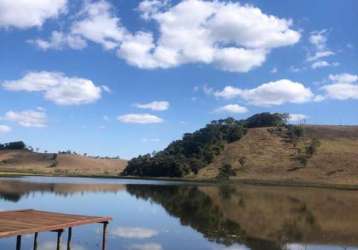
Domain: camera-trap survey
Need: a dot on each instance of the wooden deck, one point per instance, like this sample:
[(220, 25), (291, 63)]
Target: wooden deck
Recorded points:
[(18, 223)]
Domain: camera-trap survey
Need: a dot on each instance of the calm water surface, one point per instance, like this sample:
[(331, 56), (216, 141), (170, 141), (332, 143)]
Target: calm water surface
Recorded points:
[(155, 215)]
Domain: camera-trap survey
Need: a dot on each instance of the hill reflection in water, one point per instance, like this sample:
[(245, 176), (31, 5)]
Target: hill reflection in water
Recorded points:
[(273, 218)]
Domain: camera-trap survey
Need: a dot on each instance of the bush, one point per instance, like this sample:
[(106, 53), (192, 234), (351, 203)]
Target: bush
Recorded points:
[(225, 172), (312, 148), (17, 145)]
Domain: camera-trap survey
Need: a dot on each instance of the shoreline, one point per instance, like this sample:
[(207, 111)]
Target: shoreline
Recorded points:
[(254, 182)]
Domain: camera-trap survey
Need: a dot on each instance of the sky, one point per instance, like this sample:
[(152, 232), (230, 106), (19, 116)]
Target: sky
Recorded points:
[(126, 77)]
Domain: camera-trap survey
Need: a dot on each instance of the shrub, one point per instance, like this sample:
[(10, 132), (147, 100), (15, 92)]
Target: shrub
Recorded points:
[(225, 172), (312, 148)]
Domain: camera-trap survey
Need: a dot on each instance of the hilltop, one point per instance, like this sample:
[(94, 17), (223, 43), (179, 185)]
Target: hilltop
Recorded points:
[(28, 162), (270, 156), (264, 150)]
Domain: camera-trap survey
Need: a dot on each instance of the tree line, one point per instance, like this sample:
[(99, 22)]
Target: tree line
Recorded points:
[(198, 149)]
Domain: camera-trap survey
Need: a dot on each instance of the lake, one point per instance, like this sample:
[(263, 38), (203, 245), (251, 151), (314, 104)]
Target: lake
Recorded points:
[(159, 215)]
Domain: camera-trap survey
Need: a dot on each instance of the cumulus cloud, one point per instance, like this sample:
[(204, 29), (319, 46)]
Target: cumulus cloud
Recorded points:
[(297, 117), (26, 14), (231, 108), (155, 105), (98, 24), (231, 36), (146, 246), (343, 87), (95, 22), (27, 118), (134, 232), (345, 77), (150, 7), (228, 92), (4, 129), (271, 93), (139, 118), (57, 87)]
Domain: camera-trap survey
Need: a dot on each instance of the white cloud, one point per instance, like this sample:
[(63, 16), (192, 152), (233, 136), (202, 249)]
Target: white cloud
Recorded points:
[(271, 93), (134, 232), (320, 64), (146, 246), (155, 105), (341, 91), (106, 88), (5, 129), (27, 118), (231, 36), (295, 69), (273, 70), (228, 92), (319, 41), (95, 22), (26, 14), (239, 59), (139, 118), (57, 87), (98, 24), (59, 40), (343, 87), (297, 117), (345, 77), (319, 98), (150, 7), (319, 55), (231, 108), (277, 93)]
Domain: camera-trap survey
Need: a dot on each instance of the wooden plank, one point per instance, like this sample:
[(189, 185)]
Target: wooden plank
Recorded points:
[(13, 223)]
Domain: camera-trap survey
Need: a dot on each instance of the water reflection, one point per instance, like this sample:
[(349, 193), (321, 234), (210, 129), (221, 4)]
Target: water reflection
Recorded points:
[(225, 217)]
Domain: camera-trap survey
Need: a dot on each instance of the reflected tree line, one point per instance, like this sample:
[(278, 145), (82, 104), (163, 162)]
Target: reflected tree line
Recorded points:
[(257, 217)]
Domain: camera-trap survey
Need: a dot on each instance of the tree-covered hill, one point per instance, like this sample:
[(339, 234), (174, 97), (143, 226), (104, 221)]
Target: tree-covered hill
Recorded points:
[(196, 150)]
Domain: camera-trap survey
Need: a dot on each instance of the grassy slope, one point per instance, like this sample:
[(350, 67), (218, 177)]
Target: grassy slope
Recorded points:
[(24, 161), (271, 157)]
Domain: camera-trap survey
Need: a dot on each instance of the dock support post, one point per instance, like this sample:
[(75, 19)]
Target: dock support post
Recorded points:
[(35, 240), (105, 224), (18, 242), (59, 233), (69, 238)]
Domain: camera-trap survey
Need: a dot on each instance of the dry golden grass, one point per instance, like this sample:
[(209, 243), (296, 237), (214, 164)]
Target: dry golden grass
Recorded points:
[(24, 161), (271, 157)]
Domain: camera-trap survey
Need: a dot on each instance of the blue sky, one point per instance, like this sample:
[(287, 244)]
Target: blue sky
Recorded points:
[(128, 77)]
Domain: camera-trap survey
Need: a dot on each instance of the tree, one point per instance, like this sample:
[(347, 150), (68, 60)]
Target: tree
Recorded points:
[(17, 145), (267, 120)]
